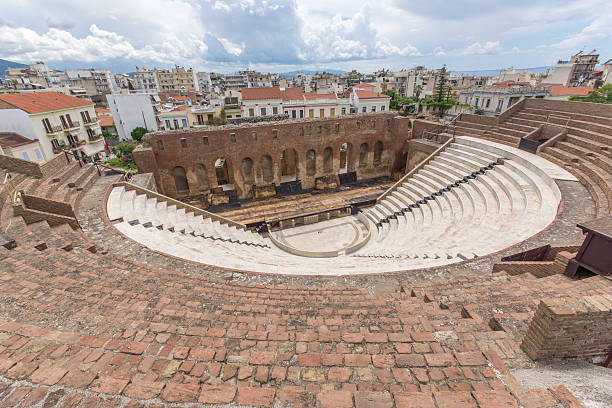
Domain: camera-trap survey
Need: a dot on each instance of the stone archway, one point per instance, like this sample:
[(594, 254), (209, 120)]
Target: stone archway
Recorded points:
[(180, 180)]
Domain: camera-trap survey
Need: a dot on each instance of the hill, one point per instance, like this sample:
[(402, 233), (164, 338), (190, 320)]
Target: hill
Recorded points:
[(4, 64)]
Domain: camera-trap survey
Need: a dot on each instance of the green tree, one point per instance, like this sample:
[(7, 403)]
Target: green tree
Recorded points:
[(138, 133), (600, 95), (124, 148), (108, 135)]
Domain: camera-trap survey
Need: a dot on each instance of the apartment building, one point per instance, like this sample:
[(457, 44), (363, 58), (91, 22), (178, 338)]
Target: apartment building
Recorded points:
[(293, 102), (130, 111), (56, 120), (203, 82), (146, 80), (500, 96), (575, 72), (175, 79)]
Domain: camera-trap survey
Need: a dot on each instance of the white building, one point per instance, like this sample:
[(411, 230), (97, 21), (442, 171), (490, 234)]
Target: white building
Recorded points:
[(56, 120), (499, 97), (368, 101), (131, 111), (12, 144), (203, 82), (146, 80)]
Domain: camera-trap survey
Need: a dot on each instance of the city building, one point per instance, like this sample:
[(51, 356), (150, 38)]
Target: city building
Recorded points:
[(363, 101), (264, 101), (15, 145), (575, 72), (175, 79), (174, 119), (56, 120), (514, 75), (146, 80), (500, 96), (106, 121), (131, 111), (203, 82)]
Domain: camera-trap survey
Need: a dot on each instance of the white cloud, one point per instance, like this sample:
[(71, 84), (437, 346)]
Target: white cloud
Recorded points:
[(488, 48)]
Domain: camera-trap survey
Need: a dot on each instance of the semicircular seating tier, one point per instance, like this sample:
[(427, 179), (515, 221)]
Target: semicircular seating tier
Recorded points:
[(474, 198)]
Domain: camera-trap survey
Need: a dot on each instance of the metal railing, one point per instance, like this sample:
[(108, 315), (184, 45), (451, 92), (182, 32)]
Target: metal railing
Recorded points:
[(54, 129)]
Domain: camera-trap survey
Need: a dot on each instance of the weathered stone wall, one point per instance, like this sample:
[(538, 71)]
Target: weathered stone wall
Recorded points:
[(567, 327), (265, 144), (418, 150)]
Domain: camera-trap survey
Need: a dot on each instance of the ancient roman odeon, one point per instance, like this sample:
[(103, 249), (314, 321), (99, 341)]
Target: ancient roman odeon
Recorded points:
[(368, 260)]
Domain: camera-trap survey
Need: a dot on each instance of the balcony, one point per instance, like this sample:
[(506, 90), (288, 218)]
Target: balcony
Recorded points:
[(69, 126), (93, 138), (77, 143), (54, 129), (58, 149), (90, 121)]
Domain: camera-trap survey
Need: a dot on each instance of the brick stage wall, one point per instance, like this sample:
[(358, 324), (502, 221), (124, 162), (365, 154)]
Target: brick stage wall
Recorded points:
[(188, 149), (578, 326)]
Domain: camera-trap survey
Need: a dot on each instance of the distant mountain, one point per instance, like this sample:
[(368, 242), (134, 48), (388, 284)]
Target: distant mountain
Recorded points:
[(291, 74), (495, 72), (4, 64)]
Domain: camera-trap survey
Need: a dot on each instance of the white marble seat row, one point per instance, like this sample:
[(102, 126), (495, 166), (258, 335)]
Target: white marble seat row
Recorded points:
[(446, 223)]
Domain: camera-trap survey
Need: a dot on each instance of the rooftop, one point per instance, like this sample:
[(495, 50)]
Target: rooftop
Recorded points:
[(370, 95), (11, 139), (35, 102), (561, 90)]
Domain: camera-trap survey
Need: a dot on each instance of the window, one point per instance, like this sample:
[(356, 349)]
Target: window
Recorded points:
[(275, 110), (263, 111), (275, 133), (25, 156), (63, 121), (321, 113), (251, 112), (175, 122), (69, 120), (185, 123), (293, 114), (373, 123), (488, 102), (233, 137), (183, 142), (254, 135), (364, 109), (205, 140), (55, 143), (500, 105), (337, 127), (301, 114), (344, 111), (160, 145), (168, 124), (332, 112), (373, 108), (47, 125), (382, 108), (476, 104), (38, 154), (311, 113)]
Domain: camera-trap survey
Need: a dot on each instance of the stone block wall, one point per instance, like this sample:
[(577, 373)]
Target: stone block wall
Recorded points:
[(47, 205), (571, 327)]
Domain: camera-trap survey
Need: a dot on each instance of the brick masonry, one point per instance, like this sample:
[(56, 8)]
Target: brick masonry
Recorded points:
[(576, 326), (188, 149)]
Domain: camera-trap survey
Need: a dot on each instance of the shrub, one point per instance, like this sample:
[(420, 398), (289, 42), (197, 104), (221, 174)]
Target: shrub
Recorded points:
[(138, 133)]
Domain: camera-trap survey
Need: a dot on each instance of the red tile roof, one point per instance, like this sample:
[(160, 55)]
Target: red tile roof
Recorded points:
[(364, 85), (11, 139), (179, 108), (253, 94), (313, 95), (292, 94), (102, 110), (370, 95), (35, 102), (561, 90), (106, 120)]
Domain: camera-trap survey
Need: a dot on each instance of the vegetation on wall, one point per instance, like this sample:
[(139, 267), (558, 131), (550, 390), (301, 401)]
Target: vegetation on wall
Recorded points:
[(220, 120)]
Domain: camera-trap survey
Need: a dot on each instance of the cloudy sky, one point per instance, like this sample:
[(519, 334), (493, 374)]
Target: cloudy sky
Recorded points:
[(277, 35)]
